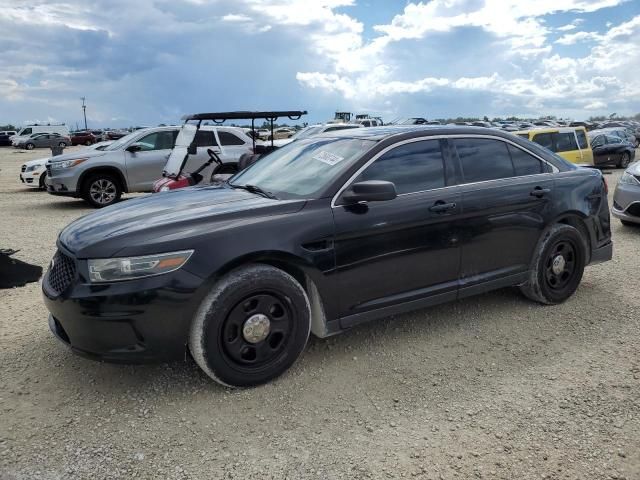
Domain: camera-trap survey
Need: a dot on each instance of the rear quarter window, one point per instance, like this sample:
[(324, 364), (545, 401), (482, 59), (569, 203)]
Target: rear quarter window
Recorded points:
[(229, 139)]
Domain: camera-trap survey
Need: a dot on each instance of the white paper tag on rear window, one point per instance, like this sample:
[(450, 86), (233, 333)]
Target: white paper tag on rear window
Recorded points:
[(328, 158)]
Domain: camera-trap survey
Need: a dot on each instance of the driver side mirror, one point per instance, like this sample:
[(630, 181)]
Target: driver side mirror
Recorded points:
[(135, 147), (370, 191)]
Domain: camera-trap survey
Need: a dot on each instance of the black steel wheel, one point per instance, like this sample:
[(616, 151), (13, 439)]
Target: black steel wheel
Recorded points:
[(252, 327), (557, 265), (560, 265)]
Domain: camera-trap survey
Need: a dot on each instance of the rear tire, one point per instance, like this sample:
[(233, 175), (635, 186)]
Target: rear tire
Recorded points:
[(29, 146), (252, 327), (62, 145), (557, 266), (101, 190), (624, 160)]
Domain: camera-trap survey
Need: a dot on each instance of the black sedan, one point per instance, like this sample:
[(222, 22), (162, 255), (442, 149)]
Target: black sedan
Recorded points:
[(611, 150), (321, 235)]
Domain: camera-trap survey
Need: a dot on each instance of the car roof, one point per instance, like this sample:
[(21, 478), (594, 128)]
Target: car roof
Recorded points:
[(384, 132), (559, 129)]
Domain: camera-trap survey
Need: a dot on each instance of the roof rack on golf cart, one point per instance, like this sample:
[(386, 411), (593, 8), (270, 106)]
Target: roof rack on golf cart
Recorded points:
[(271, 116)]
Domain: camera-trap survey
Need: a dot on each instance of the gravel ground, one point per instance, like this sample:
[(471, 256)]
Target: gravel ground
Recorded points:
[(489, 387)]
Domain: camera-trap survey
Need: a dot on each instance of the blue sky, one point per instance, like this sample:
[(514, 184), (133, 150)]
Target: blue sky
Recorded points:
[(151, 61)]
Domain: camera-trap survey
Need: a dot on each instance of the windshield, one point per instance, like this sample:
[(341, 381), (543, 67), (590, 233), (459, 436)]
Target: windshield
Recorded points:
[(303, 168), (117, 145)]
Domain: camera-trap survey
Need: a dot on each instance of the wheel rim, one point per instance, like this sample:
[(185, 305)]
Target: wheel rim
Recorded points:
[(560, 265), (62, 144), (29, 146), (257, 330), (103, 191)]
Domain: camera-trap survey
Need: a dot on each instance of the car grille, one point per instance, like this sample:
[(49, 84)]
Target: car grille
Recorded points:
[(61, 273), (24, 168), (634, 209)]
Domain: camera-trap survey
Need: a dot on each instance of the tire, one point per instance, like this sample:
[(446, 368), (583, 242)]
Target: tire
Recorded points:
[(624, 160), (29, 146), (101, 190), (221, 341), (62, 145), (551, 280), (88, 143), (41, 184)]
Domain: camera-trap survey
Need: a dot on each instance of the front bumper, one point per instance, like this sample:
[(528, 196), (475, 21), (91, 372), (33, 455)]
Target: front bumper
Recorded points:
[(133, 321), (626, 203), (60, 182), (31, 179)]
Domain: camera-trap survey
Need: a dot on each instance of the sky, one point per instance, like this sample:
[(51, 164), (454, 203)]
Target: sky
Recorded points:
[(147, 62)]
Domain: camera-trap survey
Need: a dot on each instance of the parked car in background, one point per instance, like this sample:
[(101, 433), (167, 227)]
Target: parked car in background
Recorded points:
[(313, 130), (625, 133), (369, 122), (626, 198), (114, 134), (280, 133), (611, 150), (319, 236), (134, 162), (571, 143), (5, 138), (83, 138), (262, 134), (29, 130), (38, 140)]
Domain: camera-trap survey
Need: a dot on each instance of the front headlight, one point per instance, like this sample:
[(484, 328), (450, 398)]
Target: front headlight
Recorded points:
[(629, 179), (31, 168), (117, 269), (68, 163)]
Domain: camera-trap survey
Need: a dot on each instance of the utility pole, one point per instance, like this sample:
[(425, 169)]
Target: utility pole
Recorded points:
[(84, 112)]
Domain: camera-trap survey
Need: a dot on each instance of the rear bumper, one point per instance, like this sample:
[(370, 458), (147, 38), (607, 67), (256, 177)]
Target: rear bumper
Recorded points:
[(602, 254)]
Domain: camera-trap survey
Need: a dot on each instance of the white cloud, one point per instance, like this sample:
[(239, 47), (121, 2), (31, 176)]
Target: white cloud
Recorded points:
[(597, 105), (571, 26), (573, 38)]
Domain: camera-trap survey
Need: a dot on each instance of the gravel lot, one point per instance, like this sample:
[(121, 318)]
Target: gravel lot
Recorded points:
[(489, 387)]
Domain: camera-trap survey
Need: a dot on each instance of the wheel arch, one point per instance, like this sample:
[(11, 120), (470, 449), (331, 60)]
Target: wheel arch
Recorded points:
[(301, 270), (578, 220), (103, 169)]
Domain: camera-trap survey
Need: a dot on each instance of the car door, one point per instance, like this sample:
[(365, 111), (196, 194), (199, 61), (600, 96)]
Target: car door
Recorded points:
[(43, 140), (404, 249), (145, 165), (600, 149), (506, 204), (232, 146)]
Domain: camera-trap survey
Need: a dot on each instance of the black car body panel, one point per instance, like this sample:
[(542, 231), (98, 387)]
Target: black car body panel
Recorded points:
[(364, 261)]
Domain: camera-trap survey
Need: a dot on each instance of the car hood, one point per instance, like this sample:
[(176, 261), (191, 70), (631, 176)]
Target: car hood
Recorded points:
[(161, 222), (78, 154), (634, 168), (38, 161)]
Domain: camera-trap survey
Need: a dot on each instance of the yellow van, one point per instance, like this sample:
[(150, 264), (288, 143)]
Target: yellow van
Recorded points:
[(571, 143)]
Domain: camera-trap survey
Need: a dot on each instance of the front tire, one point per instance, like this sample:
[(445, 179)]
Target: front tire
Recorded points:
[(101, 190), (252, 327), (62, 145), (557, 266), (41, 184), (29, 146)]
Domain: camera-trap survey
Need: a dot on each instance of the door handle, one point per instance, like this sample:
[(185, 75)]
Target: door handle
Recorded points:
[(442, 207), (539, 192)]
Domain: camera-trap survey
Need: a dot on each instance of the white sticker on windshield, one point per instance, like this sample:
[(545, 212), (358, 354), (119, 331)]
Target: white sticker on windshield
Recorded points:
[(328, 158)]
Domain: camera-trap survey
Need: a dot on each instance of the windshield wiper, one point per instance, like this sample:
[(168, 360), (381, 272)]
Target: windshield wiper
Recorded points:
[(254, 189)]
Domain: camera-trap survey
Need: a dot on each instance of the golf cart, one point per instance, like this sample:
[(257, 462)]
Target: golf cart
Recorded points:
[(186, 145)]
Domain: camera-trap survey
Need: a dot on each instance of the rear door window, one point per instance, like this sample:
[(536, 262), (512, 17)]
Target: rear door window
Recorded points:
[(229, 139), (524, 163), (206, 138), (483, 159), (413, 167), (564, 142)]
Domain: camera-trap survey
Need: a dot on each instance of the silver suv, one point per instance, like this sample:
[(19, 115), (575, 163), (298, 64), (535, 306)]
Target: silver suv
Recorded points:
[(134, 162)]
